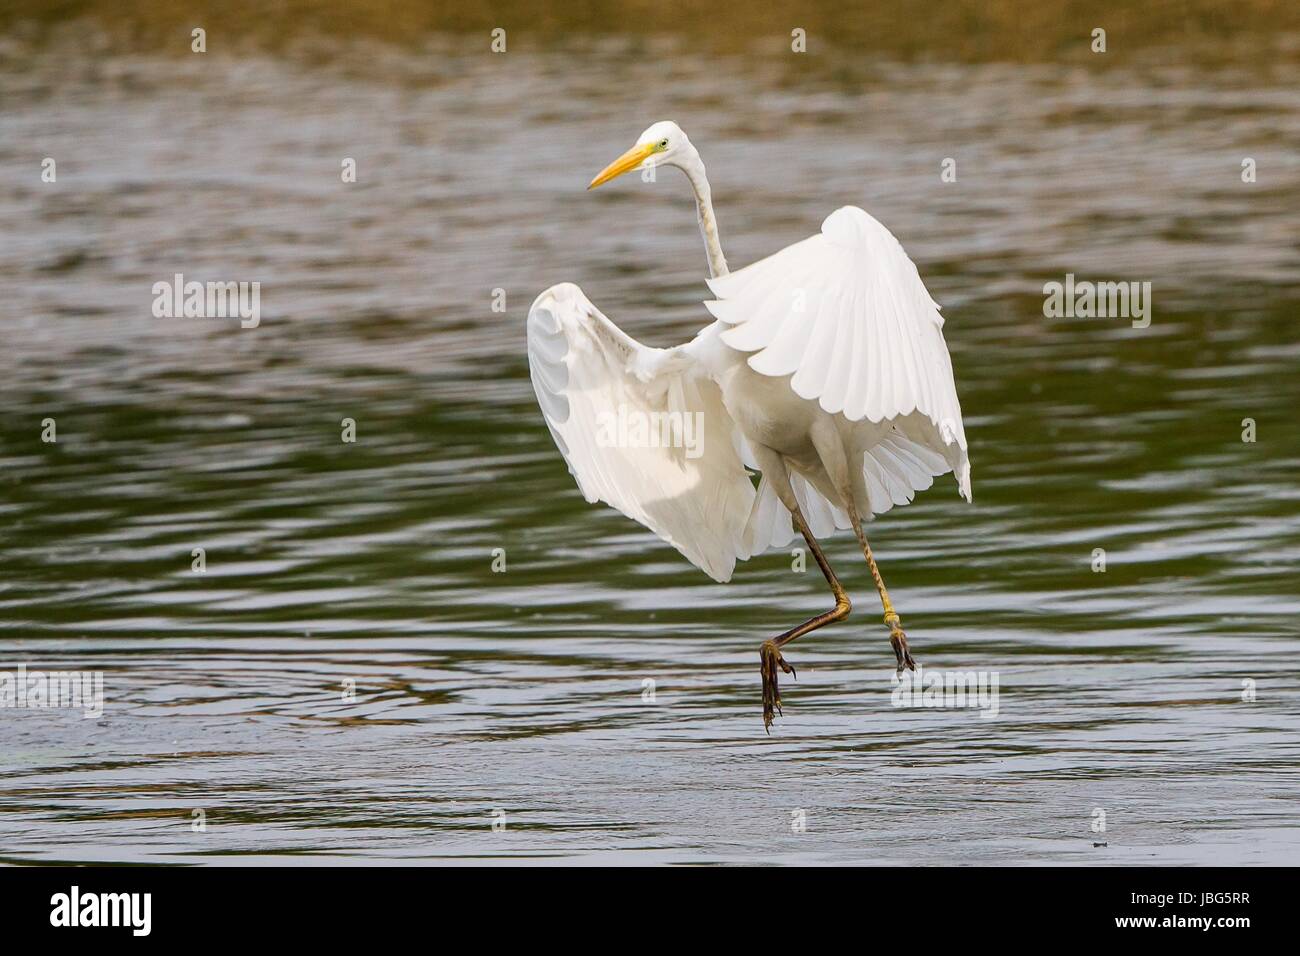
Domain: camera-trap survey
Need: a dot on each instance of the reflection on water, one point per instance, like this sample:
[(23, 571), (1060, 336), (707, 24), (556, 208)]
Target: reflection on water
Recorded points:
[(330, 563)]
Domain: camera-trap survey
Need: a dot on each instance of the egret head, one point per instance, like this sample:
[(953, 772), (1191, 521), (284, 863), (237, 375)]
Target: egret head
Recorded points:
[(663, 144)]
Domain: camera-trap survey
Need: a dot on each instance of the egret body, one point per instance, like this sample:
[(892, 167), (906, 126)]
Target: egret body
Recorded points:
[(825, 371)]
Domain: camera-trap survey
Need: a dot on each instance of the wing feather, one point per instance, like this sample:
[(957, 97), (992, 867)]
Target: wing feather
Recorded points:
[(869, 345), (587, 373)]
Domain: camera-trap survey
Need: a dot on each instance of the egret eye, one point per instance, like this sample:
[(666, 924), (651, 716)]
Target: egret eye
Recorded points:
[(663, 144)]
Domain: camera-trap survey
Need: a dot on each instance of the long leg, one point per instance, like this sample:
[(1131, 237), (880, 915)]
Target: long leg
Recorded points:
[(896, 636), (846, 476), (770, 653), (774, 471)]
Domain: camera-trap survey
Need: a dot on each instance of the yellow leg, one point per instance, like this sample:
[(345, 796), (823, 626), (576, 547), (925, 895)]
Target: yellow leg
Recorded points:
[(896, 636)]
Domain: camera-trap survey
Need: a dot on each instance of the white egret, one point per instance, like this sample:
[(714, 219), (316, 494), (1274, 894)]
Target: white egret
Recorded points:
[(825, 371)]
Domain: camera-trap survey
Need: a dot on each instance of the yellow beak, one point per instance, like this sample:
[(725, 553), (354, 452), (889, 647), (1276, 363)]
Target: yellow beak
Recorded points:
[(633, 158)]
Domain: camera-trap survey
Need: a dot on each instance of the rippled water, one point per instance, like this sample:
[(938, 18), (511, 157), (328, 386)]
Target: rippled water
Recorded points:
[(522, 692)]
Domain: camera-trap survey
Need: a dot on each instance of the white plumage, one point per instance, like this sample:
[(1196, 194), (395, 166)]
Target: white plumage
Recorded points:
[(583, 367), (846, 315), (831, 347)]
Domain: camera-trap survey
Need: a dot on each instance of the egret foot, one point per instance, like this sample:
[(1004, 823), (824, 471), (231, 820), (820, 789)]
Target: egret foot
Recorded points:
[(770, 656), (899, 640)]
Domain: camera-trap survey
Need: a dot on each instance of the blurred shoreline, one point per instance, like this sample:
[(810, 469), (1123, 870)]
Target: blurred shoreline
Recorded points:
[(1203, 31)]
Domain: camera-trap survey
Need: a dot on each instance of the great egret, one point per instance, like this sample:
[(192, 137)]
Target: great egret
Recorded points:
[(825, 371)]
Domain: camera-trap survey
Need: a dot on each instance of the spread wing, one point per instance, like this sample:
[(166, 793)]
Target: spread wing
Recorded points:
[(642, 429), (845, 314)]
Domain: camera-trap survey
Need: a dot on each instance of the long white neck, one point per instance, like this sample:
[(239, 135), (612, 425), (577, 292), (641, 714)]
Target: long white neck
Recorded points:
[(708, 221)]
